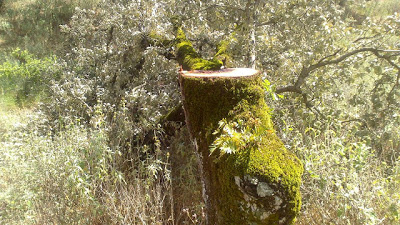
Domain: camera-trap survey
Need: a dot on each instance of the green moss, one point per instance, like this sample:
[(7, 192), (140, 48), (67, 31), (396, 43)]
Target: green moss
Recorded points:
[(189, 58), (239, 96), (222, 48), (156, 39), (271, 162), (222, 51), (209, 100)]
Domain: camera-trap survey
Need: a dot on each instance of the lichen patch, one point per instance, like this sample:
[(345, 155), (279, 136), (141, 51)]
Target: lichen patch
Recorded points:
[(263, 190)]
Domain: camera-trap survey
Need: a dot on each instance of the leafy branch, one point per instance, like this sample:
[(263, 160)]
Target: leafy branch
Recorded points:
[(306, 71)]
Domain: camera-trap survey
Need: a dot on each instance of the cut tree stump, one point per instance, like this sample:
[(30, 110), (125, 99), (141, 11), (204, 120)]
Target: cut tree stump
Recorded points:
[(258, 183)]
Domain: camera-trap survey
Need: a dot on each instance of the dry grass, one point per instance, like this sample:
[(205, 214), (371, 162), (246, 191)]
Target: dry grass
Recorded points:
[(47, 179)]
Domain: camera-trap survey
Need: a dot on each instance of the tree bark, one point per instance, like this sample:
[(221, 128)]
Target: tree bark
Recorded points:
[(258, 184)]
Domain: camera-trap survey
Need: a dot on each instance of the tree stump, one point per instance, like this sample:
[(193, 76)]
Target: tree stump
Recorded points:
[(260, 182)]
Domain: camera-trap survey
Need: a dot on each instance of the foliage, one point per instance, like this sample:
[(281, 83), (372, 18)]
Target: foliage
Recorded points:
[(72, 178), (345, 182), (236, 135), (34, 25), (113, 68), (26, 77)]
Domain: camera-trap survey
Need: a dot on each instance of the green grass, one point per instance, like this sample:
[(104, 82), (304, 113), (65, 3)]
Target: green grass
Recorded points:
[(11, 195), (7, 103), (70, 176), (10, 115)]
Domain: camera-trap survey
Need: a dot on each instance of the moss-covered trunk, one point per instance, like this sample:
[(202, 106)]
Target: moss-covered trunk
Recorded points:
[(257, 184)]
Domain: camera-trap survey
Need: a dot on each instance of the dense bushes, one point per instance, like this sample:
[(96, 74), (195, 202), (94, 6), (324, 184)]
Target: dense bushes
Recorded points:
[(345, 181), (72, 178), (113, 67), (26, 77), (96, 151), (35, 25)]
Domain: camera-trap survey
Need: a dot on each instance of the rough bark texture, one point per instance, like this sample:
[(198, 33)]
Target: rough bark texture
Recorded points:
[(259, 184)]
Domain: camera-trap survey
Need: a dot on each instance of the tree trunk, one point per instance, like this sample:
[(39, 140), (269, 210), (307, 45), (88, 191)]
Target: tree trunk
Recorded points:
[(260, 182)]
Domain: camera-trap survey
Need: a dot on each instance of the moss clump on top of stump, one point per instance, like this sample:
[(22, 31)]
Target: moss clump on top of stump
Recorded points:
[(189, 58), (259, 184)]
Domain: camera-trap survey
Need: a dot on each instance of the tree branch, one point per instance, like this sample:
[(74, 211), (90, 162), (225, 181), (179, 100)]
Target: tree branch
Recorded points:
[(291, 88), (365, 38), (306, 71), (307, 103), (269, 22), (331, 55)]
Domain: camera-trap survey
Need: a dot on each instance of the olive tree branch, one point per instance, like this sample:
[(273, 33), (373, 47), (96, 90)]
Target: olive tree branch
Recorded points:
[(307, 71), (366, 38)]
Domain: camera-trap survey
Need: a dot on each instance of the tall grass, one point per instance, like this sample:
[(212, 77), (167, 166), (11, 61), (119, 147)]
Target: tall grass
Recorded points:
[(345, 180), (346, 183), (72, 178)]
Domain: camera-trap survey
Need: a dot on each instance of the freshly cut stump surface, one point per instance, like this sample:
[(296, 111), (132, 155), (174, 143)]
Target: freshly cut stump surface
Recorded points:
[(259, 183), (229, 73)]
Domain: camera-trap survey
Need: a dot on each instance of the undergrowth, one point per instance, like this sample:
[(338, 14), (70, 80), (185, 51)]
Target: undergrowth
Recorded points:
[(72, 178), (346, 180), (25, 77), (34, 25)]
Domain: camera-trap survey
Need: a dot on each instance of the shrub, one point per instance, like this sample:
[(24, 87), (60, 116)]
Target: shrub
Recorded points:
[(26, 77), (35, 25), (112, 68), (346, 181)]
